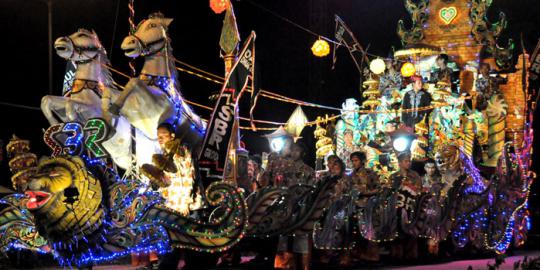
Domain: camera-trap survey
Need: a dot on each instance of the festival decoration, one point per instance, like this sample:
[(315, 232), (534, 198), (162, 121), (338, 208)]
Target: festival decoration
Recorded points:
[(218, 6), (421, 144), (71, 138), (377, 66), (372, 93), (349, 130), (324, 143), (217, 142), (92, 81), (408, 69), (97, 131), (488, 33), (345, 36), (448, 14), (22, 163), (87, 214), (84, 233), (50, 138), (419, 16), (296, 123), (496, 113), (73, 142), (320, 48)]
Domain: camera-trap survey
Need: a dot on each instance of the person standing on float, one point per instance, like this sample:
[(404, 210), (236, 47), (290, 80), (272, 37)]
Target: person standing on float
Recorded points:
[(415, 99)]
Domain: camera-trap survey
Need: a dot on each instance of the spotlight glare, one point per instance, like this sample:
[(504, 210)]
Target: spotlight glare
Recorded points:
[(401, 144), (277, 144)]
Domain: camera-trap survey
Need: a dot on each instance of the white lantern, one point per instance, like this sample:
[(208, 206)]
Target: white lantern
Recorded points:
[(377, 66)]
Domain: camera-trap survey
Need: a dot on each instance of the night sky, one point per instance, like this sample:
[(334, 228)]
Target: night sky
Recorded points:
[(284, 60)]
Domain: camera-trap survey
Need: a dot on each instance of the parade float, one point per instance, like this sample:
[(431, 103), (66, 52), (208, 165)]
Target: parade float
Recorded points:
[(97, 195)]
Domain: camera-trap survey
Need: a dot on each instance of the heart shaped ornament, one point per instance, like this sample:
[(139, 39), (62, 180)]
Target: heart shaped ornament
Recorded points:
[(448, 14)]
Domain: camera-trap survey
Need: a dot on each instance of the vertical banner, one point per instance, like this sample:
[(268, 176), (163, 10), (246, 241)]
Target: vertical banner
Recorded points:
[(215, 149), (69, 77)]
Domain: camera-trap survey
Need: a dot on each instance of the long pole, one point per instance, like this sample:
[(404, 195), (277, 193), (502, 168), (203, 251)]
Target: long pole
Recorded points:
[(49, 12)]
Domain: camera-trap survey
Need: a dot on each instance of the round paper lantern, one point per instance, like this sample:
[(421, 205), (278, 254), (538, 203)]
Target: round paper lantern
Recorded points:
[(377, 66), (320, 48), (218, 6), (408, 69)]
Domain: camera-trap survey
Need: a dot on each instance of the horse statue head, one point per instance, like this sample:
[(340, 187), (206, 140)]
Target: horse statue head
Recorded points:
[(80, 46), (149, 38)]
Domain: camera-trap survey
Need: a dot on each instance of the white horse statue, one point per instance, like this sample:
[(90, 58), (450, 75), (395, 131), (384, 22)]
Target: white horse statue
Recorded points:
[(91, 96), (154, 97), (92, 89)]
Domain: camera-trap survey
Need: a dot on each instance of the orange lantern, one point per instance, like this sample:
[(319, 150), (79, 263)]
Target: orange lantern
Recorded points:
[(320, 48), (408, 69), (218, 6)]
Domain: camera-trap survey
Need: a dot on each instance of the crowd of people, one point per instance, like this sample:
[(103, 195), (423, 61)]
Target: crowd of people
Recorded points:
[(354, 187), (357, 180)]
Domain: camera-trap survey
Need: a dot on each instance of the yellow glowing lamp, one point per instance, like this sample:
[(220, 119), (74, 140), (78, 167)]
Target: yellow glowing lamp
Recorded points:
[(377, 66), (408, 69), (320, 48)]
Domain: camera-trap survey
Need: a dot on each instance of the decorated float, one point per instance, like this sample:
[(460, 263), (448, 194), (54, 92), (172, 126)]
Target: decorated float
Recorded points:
[(100, 194)]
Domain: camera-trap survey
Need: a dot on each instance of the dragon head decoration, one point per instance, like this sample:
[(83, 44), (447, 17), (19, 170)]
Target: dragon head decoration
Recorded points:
[(63, 196)]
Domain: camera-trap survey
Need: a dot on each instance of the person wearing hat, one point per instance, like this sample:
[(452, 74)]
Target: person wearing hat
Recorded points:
[(415, 99)]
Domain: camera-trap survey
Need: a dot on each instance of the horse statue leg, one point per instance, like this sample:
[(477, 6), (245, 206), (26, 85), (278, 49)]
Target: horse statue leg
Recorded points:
[(54, 105), (143, 106), (115, 107), (77, 111)]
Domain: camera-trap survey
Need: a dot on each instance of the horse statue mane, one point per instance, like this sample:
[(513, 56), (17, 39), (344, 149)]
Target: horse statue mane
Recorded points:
[(102, 57)]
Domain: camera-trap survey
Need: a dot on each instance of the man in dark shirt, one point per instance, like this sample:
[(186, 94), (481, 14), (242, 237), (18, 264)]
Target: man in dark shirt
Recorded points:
[(413, 100)]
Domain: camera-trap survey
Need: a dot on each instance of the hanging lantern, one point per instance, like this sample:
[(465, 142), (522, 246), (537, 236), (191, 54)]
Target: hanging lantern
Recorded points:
[(408, 69), (377, 66), (218, 6), (320, 48), (296, 122)]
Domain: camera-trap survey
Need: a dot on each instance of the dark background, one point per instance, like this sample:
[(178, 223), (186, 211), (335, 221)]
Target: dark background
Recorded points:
[(284, 59)]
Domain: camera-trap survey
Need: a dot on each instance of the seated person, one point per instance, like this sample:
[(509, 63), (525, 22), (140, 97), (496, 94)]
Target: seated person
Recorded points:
[(486, 86), (390, 82), (443, 73), (173, 172)]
